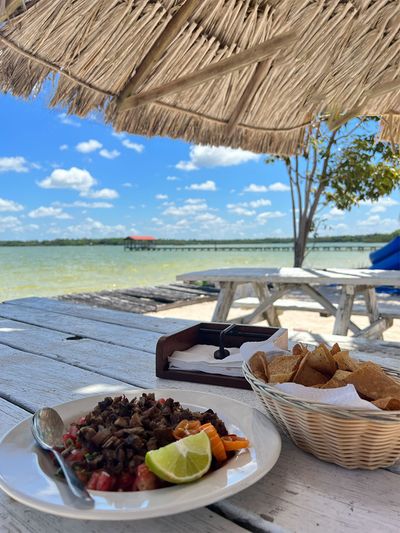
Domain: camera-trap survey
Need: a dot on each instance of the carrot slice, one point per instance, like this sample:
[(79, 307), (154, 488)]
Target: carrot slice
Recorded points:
[(186, 428), (233, 442), (217, 447)]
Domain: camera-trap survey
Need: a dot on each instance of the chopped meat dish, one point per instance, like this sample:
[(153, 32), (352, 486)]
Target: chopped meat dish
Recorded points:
[(107, 447)]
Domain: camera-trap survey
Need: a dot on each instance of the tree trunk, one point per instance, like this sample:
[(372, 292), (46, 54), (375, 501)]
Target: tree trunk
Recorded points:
[(299, 250)]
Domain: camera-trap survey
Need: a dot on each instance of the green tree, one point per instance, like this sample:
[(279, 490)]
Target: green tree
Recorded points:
[(341, 167)]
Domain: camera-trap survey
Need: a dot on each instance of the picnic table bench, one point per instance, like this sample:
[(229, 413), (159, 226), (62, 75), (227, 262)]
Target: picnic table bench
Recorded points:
[(284, 280), (52, 352)]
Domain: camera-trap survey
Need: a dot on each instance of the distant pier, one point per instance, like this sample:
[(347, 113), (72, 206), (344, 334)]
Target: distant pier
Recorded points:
[(256, 248)]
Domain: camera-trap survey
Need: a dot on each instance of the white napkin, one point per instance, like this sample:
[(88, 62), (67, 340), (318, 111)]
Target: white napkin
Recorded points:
[(342, 396), (200, 357)]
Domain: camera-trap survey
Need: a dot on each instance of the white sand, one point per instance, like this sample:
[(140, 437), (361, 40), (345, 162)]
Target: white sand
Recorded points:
[(294, 320)]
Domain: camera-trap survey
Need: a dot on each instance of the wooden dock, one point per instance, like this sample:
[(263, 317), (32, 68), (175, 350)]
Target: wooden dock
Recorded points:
[(146, 299), (244, 248)]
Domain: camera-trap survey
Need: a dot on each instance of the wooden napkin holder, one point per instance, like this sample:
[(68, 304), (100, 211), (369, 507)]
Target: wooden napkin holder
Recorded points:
[(206, 333)]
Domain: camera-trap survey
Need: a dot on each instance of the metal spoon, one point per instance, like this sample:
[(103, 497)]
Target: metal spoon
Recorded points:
[(48, 429)]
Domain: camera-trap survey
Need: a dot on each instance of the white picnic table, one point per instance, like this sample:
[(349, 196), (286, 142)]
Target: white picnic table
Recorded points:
[(52, 352), (284, 280)]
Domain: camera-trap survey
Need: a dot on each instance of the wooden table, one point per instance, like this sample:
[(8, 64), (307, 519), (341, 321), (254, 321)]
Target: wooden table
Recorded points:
[(286, 279), (53, 351)]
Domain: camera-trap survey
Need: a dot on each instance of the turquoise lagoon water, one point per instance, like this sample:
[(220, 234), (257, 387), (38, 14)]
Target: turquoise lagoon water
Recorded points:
[(53, 270)]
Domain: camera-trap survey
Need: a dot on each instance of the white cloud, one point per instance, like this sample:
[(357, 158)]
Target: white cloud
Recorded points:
[(161, 196), (119, 135), (215, 156), (103, 194), (75, 178), (127, 184), (241, 211), (185, 210), (376, 221), (13, 164), (63, 147), (263, 217), (274, 187), (109, 154), (340, 226), (209, 218), (55, 212), (335, 212), (386, 201), (86, 147), (9, 222), (278, 187), (208, 185), (378, 209), (262, 202), (255, 188), (95, 228), (254, 204), (380, 205), (172, 178), (10, 205), (88, 205), (68, 121), (133, 146)]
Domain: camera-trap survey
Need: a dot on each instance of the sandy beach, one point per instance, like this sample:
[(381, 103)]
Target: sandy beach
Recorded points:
[(293, 320)]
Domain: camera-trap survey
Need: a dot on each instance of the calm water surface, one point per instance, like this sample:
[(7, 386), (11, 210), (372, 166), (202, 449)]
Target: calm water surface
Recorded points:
[(52, 270)]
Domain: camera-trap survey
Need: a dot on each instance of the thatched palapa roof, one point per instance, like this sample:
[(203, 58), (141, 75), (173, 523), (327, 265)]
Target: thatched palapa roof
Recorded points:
[(253, 74)]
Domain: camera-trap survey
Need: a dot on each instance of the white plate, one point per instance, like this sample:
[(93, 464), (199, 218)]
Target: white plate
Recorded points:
[(27, 474)]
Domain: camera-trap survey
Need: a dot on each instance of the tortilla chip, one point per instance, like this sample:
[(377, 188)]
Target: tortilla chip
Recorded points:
[(285, 366), (373, 383), (345, 362), (388, 404), (259, 366), (299, 349), (341, 375), (335, 349), (308, 376), (321, 360), (333, 383), (281, 378)]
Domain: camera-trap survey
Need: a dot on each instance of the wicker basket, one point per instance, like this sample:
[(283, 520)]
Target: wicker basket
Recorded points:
[(347, 437)]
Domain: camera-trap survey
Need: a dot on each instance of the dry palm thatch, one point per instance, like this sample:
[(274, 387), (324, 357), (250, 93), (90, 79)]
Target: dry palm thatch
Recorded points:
[(254, 74)]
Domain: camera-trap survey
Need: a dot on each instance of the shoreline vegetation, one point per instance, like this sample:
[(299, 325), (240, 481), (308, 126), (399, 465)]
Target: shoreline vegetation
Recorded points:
[(372, 237)]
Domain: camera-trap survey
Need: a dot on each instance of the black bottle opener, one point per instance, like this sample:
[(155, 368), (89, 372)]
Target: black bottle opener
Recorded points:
[(222, 352)]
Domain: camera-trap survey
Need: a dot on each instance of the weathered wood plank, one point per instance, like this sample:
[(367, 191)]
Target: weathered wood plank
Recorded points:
[(270, 314), (343, 313), (15, 517), (313, 276), (327, 305), (371, 304), (134, 367), (304, 494), (225, 299), (121, 318), (111, 333)]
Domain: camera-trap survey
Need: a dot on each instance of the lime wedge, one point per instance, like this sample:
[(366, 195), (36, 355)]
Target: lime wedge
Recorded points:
[(182, 461)]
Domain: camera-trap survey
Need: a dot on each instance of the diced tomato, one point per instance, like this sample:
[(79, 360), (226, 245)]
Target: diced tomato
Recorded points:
[(125, 481), (92, 484), (73, 430), (161, 401), (76, 456), (101, 480), (104, 482), (145, 480), (82, 421), (69, 440)]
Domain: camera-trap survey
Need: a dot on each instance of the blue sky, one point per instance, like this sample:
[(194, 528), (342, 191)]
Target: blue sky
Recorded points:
[(65, 177)]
